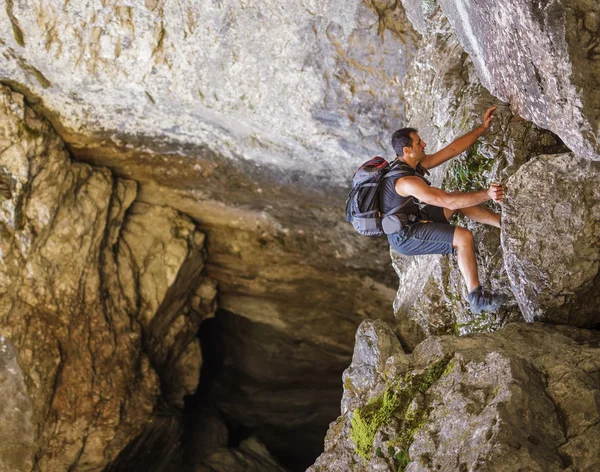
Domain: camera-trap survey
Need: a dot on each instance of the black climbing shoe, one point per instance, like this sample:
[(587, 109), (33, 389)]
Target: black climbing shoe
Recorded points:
[(481, 301)]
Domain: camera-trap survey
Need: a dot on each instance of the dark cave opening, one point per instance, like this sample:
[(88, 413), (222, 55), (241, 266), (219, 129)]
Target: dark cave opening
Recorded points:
[(255, 382), (246, 377), (201, 406)]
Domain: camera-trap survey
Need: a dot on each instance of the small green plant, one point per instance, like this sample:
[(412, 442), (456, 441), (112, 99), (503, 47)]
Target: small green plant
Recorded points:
[(402, 459), (469, 173)]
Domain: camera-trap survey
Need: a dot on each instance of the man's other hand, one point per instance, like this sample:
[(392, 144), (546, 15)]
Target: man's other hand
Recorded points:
[(487, 118), (496, 192)]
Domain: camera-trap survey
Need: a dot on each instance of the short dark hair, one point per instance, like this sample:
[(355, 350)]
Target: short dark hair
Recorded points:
[(402, 139)]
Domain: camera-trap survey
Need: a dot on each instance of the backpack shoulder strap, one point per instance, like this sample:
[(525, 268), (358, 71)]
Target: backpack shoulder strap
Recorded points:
[(399, 169)]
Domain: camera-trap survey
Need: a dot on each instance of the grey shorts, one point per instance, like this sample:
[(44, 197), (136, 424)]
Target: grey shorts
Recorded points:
[(432, 235)]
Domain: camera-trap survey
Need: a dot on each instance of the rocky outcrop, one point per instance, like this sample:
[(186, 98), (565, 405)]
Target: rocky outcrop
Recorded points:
[(522, 397), (544, 59), (97, 296), (551, 239), (444, 101)]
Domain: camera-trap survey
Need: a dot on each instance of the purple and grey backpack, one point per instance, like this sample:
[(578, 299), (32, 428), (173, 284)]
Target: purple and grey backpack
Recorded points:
[(362, 205)]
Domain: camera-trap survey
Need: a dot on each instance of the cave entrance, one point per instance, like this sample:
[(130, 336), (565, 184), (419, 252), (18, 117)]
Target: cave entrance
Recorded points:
[(257, 381)]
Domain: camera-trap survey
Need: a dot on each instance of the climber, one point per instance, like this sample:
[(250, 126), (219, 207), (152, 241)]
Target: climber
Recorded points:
[(425, 229)]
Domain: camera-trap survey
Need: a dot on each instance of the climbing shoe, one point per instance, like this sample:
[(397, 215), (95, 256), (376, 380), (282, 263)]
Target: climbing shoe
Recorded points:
[(481, 301)]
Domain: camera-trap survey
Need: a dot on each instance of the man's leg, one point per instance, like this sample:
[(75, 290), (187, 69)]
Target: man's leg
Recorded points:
[(479, 214), (465, 252), (467, 263)]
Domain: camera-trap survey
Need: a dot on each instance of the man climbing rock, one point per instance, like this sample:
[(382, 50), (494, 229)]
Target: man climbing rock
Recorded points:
[(425, 229)]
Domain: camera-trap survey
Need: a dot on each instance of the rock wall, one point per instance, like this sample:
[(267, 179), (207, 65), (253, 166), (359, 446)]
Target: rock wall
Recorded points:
[(521, 397), (551, 240), (96, 294), (445, 100), (249, 119), (17, 434), (544, 59)]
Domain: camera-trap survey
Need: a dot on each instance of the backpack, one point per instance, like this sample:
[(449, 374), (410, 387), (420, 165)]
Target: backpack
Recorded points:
[(362, 205)]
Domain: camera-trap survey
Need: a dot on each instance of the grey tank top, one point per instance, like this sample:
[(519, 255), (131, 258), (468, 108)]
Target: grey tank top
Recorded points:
[(390, 201)]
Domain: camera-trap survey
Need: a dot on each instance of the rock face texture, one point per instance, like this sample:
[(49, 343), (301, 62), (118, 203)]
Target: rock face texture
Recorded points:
[(289, 86), (248, 129), (554, 273), (17, 433), (524, 397), (249, 119), (445, 100), (544, 59), (101, 297)]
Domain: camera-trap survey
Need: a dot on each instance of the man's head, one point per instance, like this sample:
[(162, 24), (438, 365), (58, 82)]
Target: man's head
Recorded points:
[(407, 143)]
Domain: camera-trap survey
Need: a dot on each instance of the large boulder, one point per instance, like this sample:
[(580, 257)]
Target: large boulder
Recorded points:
[(97, 295), (542, 58), (444, 100), (551, 239), (523, 397)]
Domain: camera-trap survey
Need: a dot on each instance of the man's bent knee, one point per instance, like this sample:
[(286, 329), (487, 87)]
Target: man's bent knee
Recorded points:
[(463, 238)]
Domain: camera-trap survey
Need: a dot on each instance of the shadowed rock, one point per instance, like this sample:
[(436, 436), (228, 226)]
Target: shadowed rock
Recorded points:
[(87, 287), (16, 427)]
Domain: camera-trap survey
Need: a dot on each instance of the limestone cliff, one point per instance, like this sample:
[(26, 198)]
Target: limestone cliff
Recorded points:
[(101, 299), (152, 151)]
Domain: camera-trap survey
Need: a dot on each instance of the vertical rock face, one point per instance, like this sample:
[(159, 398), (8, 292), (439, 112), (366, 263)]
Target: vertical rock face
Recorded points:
[(445, 100), (164, 253), (543, 58), (81, 284), (522, 397), (551, 239), (17, 433)]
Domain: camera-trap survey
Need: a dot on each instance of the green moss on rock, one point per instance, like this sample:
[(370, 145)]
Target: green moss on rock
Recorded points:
[(394, 401)]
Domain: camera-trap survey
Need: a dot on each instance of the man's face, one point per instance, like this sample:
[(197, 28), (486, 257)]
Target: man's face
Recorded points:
[(417, 151)]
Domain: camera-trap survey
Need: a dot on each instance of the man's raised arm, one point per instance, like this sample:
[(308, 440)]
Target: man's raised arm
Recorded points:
[(460, 144)]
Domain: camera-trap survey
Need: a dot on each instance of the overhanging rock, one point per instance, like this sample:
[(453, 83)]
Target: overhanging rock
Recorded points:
[(301, 88), (541, 57)]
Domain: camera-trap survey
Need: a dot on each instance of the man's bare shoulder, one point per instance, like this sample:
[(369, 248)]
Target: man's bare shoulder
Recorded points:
[(405, 185)]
